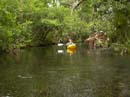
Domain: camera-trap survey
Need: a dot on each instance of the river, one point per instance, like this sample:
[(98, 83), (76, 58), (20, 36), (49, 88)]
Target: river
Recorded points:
[(53, 72)]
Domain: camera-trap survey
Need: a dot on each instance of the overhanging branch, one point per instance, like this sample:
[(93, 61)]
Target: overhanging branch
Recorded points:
[(76, 4)]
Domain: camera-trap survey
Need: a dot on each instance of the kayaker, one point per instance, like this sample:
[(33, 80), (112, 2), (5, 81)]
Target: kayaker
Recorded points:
[(92, 39), (60, 43), (71, 47), (70, 42)]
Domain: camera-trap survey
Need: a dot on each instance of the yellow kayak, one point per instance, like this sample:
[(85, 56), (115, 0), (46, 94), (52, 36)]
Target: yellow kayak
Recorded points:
[(71, 46)]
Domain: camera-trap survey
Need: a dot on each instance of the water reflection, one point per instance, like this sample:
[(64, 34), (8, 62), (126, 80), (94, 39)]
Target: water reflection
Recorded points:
[(42, 72), (71, 51)]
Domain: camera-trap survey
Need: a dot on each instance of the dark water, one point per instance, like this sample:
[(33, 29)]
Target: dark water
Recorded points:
[(43, 72)]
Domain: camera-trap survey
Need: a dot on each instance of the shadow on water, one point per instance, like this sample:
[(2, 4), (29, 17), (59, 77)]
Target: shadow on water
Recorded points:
[(43, 72)]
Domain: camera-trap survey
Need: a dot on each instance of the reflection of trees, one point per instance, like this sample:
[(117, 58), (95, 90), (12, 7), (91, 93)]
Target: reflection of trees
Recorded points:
[(108, 77), (54, 75)]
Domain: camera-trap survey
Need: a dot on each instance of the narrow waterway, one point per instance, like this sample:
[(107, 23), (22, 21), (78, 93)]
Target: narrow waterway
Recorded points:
[(53, 72)]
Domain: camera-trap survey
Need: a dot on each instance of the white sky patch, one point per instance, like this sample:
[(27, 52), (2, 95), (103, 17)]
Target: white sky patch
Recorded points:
[(58, 3), (49, 5)]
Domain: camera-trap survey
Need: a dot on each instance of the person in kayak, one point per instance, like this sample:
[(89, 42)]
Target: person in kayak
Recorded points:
[(70, 42)]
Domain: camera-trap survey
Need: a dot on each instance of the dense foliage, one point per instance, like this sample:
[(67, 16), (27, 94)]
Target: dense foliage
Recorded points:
[(38, 22)]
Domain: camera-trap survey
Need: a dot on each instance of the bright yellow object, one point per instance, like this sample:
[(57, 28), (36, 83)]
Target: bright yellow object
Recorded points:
[(71, 46), (71, 51)]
